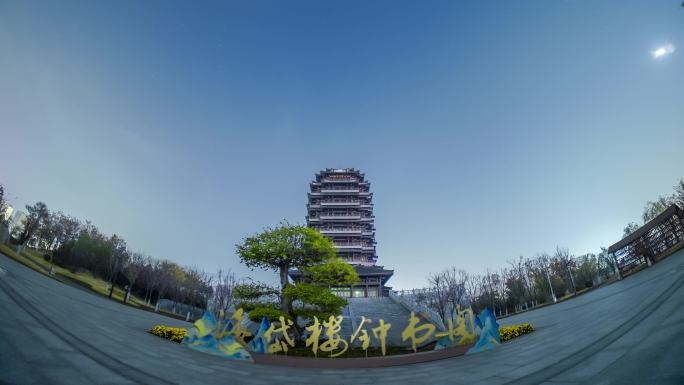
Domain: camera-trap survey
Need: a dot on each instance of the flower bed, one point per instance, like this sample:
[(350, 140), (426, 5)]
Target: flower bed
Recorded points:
[(173, 334), (177, 334), (510, 332)]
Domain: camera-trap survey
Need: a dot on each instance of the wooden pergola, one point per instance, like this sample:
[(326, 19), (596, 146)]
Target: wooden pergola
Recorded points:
[(650, 240)]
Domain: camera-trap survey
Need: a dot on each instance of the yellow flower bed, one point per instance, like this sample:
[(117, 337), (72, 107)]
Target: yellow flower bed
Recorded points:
[(173, 334), (510, 332), (177, 334)]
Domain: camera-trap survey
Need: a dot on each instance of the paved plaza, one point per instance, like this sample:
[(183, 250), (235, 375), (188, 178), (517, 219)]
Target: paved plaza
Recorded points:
[(629, 332)]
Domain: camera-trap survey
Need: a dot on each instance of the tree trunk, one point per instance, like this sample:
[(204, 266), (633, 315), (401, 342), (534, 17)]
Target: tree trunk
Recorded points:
[(285, 303), (111, 289), (572, 280), (553, 295)]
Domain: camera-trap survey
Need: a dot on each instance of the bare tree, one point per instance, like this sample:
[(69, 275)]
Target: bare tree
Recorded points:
[(456, 281), (133, 268), (543, 263), (473, 288), (153, 277), (563, 256), (437, 295), (115, 260), (222, 298)]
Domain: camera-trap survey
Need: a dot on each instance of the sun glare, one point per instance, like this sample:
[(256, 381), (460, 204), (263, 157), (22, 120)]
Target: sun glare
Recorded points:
[(663, 51)]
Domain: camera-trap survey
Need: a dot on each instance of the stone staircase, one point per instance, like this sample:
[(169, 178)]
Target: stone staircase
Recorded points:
[(377, 308), (347, 326)]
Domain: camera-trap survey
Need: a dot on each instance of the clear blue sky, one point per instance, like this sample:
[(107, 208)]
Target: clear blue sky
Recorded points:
[(487, 129)]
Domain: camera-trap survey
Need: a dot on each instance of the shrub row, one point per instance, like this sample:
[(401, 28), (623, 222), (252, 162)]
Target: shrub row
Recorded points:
[(510, 332), (173, 334)]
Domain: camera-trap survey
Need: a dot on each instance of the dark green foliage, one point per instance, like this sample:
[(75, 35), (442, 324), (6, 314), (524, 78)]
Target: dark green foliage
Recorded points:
[(254, 291), (86, 253), (315, 300), (283, 248), (335, 272), (270, 311)]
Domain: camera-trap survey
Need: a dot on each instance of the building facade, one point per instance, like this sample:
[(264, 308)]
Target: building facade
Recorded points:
[(340, 206)]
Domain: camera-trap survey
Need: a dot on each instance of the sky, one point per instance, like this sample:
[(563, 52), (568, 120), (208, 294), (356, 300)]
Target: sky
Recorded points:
[(488, 130)]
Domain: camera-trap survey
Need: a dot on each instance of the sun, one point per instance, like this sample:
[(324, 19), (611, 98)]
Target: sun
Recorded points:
[(663, 51)]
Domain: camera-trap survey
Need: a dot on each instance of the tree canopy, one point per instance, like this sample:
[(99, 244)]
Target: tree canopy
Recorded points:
[(335, 272), (283, 248)]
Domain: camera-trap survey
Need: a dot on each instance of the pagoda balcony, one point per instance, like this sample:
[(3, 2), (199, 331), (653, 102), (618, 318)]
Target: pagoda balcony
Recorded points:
[(331, 180), (340, 217), (340, 231), (342, 204), (339, 191), (348, 246)]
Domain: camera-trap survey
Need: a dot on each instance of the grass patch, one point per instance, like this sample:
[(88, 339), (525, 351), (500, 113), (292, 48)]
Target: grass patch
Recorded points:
[(35, 260), (26, 261)]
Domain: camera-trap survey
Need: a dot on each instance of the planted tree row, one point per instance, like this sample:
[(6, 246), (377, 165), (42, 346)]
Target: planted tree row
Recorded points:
[(80, 246), (529, 281)]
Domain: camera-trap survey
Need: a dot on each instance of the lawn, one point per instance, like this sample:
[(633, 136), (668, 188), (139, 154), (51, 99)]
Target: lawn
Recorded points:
[(35, 260)]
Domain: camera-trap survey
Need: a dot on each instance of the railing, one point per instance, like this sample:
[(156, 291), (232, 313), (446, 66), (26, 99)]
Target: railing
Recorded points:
[(339, 190), (348, 246), (332, 230), (341, 203), (335, 216), (341, 180)]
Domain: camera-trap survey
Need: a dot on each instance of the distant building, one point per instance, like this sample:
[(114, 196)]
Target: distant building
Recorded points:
[(9, 210), (17, 220), (341, 207)]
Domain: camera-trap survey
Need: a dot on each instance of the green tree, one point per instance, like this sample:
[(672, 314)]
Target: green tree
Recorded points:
[(653, 209), (629, 229), (335, 272), (114, 261), (283, 248), (37, 214), (313, 300), (679, 193)]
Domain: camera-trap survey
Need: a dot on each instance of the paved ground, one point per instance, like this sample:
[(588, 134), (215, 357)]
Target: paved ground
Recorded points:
[(630, 332)]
